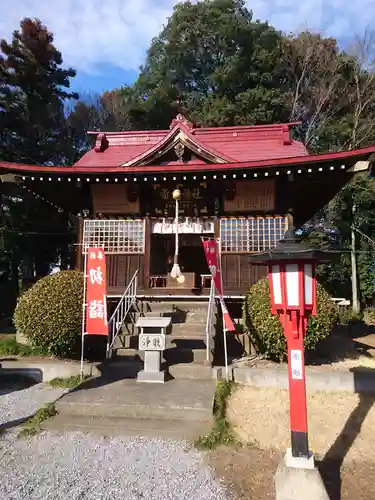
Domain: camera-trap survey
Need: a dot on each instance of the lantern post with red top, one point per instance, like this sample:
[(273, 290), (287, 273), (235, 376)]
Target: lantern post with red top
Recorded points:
[(292, 282)]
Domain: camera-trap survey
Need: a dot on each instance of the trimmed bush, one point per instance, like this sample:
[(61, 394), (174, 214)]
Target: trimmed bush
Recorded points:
[(369, 316), (49, 313), (265, 329)]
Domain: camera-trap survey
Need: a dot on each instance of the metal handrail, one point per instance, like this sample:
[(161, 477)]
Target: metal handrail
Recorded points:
[(119, 315), (210, 311)]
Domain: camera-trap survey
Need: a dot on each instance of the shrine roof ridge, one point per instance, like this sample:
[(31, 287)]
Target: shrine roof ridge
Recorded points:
[(231, 128)]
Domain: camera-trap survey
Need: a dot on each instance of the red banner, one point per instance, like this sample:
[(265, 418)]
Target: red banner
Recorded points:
[(96, 294), (211, 249), (212, 256)]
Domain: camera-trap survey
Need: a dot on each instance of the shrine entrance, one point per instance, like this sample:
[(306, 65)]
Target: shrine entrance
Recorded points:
[(192, 260)]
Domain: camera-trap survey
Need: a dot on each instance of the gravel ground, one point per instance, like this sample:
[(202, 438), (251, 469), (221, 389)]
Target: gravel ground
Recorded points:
[(81, 466), (22, 404)]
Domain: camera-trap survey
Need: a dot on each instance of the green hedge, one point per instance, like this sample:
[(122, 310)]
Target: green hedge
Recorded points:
[(49, 314), (265, 329)]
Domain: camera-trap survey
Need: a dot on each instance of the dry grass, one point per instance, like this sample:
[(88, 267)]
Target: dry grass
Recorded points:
[(340, 423), (249, 474), (360, 362)]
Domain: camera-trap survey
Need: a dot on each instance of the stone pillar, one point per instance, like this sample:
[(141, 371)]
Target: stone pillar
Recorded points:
[(152, 368), (153, 344)]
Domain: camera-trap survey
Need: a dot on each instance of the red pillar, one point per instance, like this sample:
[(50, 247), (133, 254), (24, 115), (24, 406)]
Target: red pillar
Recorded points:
[(295, 326)]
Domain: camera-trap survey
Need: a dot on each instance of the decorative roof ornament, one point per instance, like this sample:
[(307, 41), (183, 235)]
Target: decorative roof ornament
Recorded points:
[(179, 149), (101, 143), (181, 119)]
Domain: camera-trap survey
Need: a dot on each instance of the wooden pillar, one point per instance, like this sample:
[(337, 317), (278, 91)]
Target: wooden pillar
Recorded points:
[(217, 228), (291, 200), (146, 283), (79, 251)]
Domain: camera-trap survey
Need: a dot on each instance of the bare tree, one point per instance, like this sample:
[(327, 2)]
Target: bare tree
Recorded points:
[(115, 110), (314, 68), (361, 94)]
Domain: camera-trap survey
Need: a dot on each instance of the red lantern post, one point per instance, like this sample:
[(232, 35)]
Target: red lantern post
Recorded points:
[(293, 297), (292, 282)]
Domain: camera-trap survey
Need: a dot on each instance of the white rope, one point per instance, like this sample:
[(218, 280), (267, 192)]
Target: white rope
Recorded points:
[(176, 222), (176, 271)]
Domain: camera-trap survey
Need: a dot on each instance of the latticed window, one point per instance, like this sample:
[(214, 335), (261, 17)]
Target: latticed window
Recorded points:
[(115, 236), (251, 234)]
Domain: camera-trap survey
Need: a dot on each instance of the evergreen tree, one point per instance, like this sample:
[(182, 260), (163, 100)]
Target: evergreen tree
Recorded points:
[(33, 87), (225, 68), (33, 129)]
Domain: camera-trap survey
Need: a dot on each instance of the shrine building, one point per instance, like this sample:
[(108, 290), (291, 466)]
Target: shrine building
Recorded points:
[(242, 185)]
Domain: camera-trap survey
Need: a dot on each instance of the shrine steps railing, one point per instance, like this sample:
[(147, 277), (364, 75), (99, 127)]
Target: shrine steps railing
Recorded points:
[(123, 308)]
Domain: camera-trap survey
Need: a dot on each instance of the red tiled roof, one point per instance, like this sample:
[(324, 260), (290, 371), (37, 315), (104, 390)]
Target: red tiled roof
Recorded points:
[(342, 157), (114, 156), (230, 144), (222, 148)]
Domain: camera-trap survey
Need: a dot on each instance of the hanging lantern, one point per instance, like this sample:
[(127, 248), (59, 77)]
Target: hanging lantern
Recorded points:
[(176, 194)]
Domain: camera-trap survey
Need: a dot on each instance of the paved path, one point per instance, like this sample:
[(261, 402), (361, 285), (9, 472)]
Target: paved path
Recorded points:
[(178, 409), (130, 398)]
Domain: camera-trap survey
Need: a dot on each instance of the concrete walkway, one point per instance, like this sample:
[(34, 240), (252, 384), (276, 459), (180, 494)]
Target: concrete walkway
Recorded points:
[(179, 409)]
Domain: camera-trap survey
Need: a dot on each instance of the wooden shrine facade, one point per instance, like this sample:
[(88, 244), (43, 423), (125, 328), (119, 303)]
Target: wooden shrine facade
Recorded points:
[(135, 225), (242, 185)]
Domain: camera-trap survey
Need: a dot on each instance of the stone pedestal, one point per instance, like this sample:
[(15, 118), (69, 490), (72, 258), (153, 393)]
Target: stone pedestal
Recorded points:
[(298, 478), (152, 372), (152, 342)]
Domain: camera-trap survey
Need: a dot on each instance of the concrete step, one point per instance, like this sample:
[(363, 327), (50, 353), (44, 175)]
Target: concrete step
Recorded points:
[(147, 306), (188, 329), (157, 428), (125, 368), (171, 356), (179, 355), (184, 339), (191, 371), (175, 400), (177, 318), (187, 343)]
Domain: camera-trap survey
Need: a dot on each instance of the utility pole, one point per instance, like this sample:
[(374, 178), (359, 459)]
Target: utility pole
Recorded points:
[(355, 302)]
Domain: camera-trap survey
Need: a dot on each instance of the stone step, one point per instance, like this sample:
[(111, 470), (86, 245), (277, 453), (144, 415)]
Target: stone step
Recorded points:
[(188, 329), (191, 371), (171, 305), (180, 365), (178, 318), (179, 355), (152, 428), (175, 400), (171, 355), (171, 341), (180, 338), (125, 368)]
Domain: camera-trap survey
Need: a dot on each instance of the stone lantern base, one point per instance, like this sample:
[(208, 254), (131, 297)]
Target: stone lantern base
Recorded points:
[(299, 478)]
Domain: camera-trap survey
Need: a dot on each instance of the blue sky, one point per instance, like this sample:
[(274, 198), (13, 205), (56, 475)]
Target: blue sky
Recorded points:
[(105, 41)]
